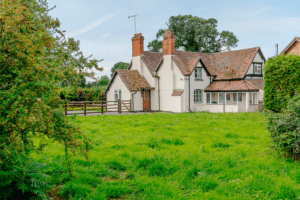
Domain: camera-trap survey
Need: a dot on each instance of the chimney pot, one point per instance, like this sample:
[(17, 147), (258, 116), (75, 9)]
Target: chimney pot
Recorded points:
[(168, 44), (167, 30)]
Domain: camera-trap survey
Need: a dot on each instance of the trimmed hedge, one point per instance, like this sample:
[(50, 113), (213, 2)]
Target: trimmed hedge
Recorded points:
[(282, 81), (82, 94)]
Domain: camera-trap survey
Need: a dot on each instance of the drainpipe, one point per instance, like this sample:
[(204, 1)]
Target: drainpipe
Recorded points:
[(132, 97), (190, 93), (158, 94)]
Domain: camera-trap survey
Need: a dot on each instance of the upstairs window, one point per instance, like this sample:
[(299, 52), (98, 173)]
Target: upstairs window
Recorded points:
[(198, 73), (197, 96), (257, 68)]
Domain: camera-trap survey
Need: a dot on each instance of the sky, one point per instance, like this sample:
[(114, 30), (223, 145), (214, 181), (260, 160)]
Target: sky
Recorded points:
[(105, 31)]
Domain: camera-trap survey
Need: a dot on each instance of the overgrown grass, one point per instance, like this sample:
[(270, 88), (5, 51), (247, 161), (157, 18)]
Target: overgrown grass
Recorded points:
[(176, 156)]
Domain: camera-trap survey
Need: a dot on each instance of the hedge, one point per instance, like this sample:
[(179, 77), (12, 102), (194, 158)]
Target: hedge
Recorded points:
[(82, 94), (282, 81)]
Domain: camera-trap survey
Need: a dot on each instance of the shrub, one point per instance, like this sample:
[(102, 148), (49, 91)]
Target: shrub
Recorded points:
[(75, 189), (281, 81), (285, 127)]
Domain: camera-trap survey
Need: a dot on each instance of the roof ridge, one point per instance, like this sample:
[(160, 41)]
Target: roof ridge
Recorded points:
[(218, 52)]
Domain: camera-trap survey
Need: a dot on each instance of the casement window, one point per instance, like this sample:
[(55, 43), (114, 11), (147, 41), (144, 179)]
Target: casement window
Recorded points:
[(257, 68), (235, 97), (208, 98), (253, 99), (240, 96), (118, 95), (221, 97), (227, 97), (198, 73), (197, 96)]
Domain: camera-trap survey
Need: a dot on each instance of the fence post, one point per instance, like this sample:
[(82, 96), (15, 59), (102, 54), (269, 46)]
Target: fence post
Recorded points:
[(119, 106), (84, 108), (102, 107), (130, 106)]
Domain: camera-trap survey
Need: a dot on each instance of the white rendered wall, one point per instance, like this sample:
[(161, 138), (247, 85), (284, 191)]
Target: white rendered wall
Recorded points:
[(199, 84), (137, 104), (171, 78), (117, 84)]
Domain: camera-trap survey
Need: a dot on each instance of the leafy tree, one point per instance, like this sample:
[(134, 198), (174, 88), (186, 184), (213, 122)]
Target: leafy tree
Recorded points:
[(119, 65), (104, 81), (35, 57), (195, 34)]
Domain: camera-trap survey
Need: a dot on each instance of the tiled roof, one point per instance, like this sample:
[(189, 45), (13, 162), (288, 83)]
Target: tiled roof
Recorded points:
[(239, 85), (132, 79), (177, 93), (257, 82), (152, 60), (224, 65), (296, 39)]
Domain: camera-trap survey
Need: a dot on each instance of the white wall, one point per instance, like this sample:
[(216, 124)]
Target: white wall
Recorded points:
[(117, 84), (137, 104), (199, 84), (171, 78)]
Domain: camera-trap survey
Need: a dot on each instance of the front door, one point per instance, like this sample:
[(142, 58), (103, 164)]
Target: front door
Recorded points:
[(146, 99)]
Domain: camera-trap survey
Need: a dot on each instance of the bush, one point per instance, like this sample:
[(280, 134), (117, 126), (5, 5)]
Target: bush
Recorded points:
[(285, 127), (281, 81), (82, 94)]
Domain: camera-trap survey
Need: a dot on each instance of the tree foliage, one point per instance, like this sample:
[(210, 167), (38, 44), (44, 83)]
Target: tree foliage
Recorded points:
[(104, 81), (281, 81), (195, 34), (35, 57), (119, 65)]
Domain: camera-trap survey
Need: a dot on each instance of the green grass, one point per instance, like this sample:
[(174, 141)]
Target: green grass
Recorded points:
[(175, 156)]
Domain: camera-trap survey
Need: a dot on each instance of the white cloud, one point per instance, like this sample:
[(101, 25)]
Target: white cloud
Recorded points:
[(92, 25), (106, 35)]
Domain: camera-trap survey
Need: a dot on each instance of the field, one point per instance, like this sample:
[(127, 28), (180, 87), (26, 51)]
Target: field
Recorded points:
[(174, 156)]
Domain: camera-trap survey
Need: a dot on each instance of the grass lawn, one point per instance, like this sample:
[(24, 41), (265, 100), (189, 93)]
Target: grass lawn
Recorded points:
[(175, 156)]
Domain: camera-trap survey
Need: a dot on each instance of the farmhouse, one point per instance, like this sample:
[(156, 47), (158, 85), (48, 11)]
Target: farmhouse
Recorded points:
[(293, 47), (181, 81)]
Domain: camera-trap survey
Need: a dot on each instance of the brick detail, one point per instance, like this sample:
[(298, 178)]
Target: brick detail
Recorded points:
[(137, 45), (168, 44)]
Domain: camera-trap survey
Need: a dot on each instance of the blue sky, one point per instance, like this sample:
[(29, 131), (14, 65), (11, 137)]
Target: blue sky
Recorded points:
[(105, 31)]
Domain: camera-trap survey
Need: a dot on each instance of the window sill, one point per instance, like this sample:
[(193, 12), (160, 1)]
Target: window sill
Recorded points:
[(198, 79), (197, 102)]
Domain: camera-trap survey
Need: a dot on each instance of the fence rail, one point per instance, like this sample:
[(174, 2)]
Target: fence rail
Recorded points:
[(93, 107)]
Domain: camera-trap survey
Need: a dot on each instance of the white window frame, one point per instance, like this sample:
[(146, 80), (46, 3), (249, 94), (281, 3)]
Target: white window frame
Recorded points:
[(251, 98), (259, 68), (210, 98), (198, 73), (198, 93), (119, 94), (223, 98)]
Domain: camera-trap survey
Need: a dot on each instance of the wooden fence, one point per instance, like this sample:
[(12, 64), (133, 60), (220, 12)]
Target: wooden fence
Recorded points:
[(93, 107)]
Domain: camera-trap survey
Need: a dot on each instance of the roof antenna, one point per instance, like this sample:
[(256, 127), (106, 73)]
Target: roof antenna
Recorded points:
[(134, 20), (276, 49)]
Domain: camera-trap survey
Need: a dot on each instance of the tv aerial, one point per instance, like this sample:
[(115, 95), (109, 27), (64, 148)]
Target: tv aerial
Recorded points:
[(134, 20)]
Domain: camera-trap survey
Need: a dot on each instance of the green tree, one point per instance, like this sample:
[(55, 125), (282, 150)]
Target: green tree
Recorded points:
[(35, 57), (195, 34), (104, 81), (119, 65)]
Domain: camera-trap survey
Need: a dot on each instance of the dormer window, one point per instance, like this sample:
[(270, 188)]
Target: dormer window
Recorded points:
[(257, 68), (198, 73)]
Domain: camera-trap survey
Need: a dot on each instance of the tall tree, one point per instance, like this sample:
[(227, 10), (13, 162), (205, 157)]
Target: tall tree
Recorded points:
[(195, 34), (104, 81), (35, 57), (119, 65)]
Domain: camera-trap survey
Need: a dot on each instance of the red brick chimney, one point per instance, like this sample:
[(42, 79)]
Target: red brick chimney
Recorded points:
[(168, 44), (137, 45)]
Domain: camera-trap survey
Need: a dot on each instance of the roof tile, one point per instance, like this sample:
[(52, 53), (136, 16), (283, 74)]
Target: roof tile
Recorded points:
[(132, 79)]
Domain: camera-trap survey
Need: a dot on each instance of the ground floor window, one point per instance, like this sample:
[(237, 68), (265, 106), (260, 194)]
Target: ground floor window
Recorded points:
[(208, 98), (197, 96), (253, 98), (118, 95), (240, 96)]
